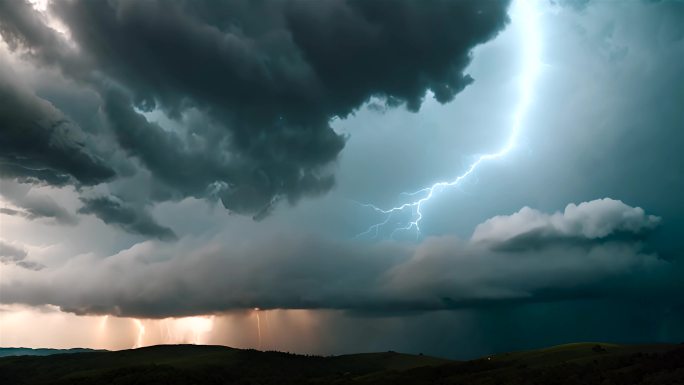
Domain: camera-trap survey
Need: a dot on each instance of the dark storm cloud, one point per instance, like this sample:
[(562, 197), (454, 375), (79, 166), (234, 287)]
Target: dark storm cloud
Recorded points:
[(199, 277), (185, 165), (267, 77), (21, 25), (164, 153), (11, 254), (39, 143), (135, 220)]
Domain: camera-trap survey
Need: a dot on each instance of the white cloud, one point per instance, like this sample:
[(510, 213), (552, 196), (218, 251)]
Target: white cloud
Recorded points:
[(595, 219)]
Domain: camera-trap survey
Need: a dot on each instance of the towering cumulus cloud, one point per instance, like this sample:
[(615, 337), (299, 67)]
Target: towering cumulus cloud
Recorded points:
[(247, 88)]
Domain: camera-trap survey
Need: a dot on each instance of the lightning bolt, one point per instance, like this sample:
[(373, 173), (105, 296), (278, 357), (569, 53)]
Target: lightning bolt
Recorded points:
[(141, 333), (523, 14), (256, 311)]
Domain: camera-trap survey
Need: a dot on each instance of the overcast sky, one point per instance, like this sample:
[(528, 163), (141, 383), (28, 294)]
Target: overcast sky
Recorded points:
[(168, 166)]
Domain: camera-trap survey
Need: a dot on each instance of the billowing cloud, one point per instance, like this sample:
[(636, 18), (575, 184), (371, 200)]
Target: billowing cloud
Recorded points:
[(40, 144), (197, 277), (594, 220), (16, 255), (32, 205), (135, 220), (250, 87)]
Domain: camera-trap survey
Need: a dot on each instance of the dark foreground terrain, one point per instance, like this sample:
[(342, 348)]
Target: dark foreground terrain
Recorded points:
[(586, 363)]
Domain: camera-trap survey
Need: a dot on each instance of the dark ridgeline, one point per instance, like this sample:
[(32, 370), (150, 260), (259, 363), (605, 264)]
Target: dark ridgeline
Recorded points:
[(583, 363), (7, 352)]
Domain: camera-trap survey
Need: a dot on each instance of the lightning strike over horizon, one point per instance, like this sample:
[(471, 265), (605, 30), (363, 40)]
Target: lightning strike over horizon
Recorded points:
[(141, 333), (523, 14), (256, 311)]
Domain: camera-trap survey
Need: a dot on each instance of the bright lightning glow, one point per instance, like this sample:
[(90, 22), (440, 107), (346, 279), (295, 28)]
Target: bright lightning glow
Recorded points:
[(256, 311), (191, 329), (103, 324), (141, 333), (523, 15), (187, 330)]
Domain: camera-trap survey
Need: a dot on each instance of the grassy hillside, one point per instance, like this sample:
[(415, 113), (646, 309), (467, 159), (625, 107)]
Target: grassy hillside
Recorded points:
[(588, 363)]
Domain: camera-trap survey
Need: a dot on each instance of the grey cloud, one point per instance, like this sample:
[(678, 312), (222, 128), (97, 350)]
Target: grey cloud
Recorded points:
[(197, 277), (33, 205), (135, 220), (21, 25), (30, 265), (445, 273), (266, 78), (12, 212), (11, 254), (40, 144)]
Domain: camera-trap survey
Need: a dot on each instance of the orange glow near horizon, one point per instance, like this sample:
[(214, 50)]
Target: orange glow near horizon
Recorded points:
[(183, 330), (49, 327), (141, 333), (256, 311)]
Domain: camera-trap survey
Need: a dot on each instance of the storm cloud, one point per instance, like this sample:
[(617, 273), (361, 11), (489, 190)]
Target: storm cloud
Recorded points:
[(296, 272), (131, 130), (132, 219), (12, 254), (250, 87), (33, 205), (40, 144)]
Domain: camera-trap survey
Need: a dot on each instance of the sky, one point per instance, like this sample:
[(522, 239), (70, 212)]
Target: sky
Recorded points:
[(453, 178)]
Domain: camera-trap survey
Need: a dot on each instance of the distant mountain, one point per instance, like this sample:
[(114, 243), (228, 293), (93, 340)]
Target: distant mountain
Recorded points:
[(584, 363), (6, 352)]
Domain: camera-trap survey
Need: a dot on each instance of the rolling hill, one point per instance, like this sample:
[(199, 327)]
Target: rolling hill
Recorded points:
[(6, 352), (584, 363)]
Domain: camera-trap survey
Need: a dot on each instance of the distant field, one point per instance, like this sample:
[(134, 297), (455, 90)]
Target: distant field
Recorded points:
[(582, 363)]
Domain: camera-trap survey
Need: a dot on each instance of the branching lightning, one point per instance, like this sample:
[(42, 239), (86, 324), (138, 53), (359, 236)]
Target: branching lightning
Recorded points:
[(524, 15)]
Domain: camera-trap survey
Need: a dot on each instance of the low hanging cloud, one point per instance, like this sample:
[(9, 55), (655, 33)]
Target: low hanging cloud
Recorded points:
[(250, 87), (16, 255), (33, 205), (195, 276), (10, 253), (135, 220)]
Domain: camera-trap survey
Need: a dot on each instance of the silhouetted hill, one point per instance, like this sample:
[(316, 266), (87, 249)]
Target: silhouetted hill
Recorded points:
[(586, 363), (181, 364), (571, 364), (6, 352)]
